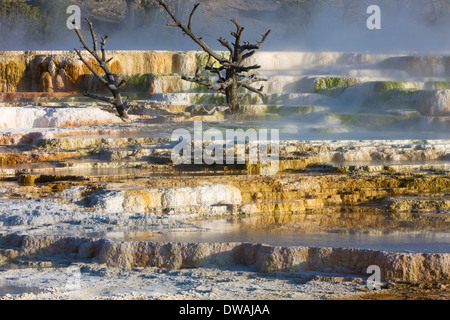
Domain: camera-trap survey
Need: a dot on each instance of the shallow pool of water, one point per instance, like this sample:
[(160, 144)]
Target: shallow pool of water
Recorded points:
[(425, 241)]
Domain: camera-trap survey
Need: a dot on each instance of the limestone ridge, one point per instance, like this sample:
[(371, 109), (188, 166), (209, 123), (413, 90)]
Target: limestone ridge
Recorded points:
[(397, 266), (356, 96)]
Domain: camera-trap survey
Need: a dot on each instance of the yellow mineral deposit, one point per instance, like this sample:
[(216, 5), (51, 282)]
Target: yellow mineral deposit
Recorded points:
[(62, 71), (363, 168)]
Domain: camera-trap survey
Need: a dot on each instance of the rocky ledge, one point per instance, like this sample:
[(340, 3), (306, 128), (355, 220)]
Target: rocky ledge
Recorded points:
[(408, 267)]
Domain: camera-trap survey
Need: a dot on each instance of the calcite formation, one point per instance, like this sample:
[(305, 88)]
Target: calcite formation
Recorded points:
[(360, 156), (394, 266), (434, 103), (175, 200), (33, 117), (63, 72), (302, 196)]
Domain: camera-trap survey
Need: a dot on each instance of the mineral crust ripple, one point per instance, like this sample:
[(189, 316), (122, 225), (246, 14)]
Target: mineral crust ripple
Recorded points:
[(363, 155)]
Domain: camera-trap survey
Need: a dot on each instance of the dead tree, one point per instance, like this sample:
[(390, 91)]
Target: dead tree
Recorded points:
[(232, 72), (108, 78)]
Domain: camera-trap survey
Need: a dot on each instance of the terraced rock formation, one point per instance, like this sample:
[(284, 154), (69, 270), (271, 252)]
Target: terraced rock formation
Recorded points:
[(363, 172)]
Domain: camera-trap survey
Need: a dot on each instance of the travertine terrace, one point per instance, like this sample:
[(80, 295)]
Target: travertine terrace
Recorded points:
[(363, 167)]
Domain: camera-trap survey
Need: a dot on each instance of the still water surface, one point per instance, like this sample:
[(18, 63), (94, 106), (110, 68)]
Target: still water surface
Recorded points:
[(223, 230)]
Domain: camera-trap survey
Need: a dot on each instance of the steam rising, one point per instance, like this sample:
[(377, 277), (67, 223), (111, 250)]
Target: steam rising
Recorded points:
[(315, 25), (332, 89)]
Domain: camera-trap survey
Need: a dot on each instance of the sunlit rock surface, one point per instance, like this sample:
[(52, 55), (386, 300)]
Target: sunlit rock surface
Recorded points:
[(33, 117), (434, 103), (396, 266), (204, 198), (64, 72), (323, 91), (364, 156), (352, 90)]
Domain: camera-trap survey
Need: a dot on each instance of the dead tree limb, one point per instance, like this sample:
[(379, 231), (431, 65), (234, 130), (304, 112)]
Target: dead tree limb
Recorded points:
[(231, 71), (108, 78)]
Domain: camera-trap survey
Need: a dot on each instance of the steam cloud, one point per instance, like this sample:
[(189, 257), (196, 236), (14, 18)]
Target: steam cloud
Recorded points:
[(321, 25)]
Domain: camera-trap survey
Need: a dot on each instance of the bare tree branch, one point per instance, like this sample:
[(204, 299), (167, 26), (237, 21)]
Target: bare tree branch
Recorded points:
[(226, 44), (247, 81), (192, 15), (252, 79), (98, 76), (108, 79), (94, 37), (231, 70), (248, 55), (237, 35), (103, 44), (257, 91), (218, 87), (241, 69), (189, 32), (217, 71), (248, 46), (98, 97)]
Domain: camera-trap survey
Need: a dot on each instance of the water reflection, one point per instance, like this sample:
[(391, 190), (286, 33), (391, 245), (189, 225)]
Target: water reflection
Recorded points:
[(321, 231)]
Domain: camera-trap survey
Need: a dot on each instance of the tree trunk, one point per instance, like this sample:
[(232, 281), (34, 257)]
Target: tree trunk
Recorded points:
[(232, 93), (110, 81), (234, 66), (118, 103)]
